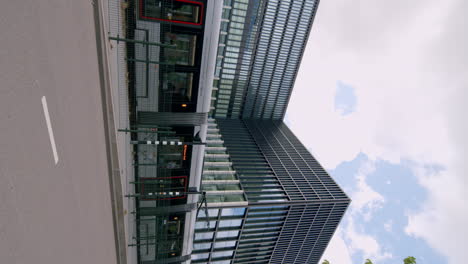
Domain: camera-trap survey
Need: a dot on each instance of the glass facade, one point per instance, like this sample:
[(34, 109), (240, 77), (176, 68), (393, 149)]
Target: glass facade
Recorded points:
[(293, 206), (219, 179), (164, 41), (239, 28), (260, 49)]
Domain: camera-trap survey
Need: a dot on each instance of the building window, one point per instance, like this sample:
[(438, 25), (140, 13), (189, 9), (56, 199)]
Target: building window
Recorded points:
[(224, 234), (224, 198), (211, 177), (225, 244), (201, 236), (200, 256), (220, 187), (233, 211), (222, 254), (204, 224), (230, 223), (177, 11), (211, 213), (201, 246)]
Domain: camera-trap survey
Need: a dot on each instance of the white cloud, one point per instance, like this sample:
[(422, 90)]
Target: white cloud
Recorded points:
[(348, 239), (442, 222), (368, 245), (365, 199), (345, 99), (408, 63), (337, 251)]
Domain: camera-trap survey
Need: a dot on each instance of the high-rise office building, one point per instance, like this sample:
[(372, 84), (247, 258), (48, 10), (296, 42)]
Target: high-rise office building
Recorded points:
[(270, 201), (261, 44), (237, 187)]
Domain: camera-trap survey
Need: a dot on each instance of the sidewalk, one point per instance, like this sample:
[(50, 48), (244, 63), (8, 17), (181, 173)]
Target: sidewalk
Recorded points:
[(113, 67)]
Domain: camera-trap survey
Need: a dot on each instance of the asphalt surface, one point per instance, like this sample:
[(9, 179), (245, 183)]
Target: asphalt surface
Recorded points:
[(52, 213)]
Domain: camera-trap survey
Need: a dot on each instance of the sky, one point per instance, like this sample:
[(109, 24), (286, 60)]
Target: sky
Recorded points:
[(379, 100)]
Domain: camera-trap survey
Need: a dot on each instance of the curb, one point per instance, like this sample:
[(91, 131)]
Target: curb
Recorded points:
[(110, 135)]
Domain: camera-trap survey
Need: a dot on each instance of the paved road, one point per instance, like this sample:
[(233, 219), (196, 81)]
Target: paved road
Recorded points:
[(52, 213)]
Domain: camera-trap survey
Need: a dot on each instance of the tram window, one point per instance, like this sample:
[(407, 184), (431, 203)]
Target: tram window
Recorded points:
[(179, 84), (171, 157), (184, 51), (173, 227), (181, 11)]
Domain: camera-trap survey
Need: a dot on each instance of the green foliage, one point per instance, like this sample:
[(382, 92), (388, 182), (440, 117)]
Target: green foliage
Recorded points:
[(410, 260)]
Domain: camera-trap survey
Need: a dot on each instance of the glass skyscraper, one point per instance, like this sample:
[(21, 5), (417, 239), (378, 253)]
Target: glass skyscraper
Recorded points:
[(260, 48), (270, 201)]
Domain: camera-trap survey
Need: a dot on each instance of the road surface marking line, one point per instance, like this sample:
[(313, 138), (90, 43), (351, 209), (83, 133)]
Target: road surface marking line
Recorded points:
[(49, 128)]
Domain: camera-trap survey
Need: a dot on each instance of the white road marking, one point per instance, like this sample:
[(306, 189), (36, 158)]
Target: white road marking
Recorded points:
[(49, 128)]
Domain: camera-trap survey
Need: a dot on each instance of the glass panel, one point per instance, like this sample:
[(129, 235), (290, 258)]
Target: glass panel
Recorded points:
[(170, 157), (232, 233), (222, 254), (221, 262), (211, 213), (200, 256), (272, 200), (220, 187), (226, 13), (201, 245), (266, 208), (152, 8), (224, 198), (233, 211), (204, 224), (184, 12), (178, 85), (184, 53), (210, 177), (176, 11), (204, 235), (230, 223), (224, 244)]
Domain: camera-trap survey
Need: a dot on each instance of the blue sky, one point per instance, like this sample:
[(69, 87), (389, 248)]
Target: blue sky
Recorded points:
[(400, 194), (380, 101), (345, 99)]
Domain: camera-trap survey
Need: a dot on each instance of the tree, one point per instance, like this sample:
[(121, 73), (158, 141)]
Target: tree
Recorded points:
[(408, 260)]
